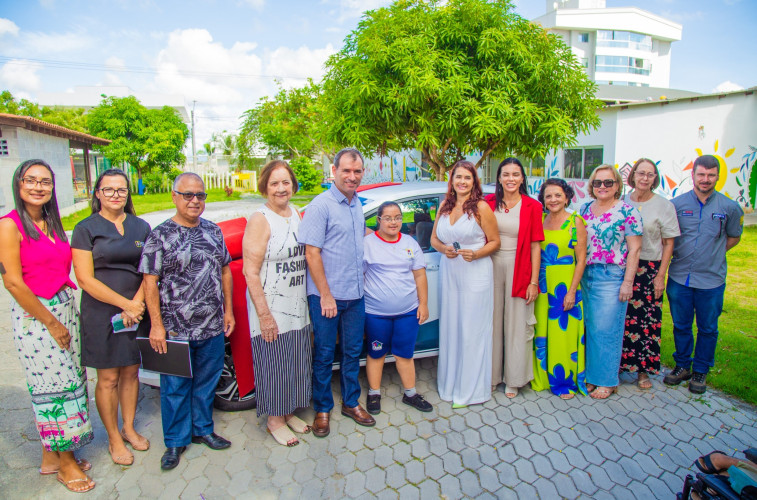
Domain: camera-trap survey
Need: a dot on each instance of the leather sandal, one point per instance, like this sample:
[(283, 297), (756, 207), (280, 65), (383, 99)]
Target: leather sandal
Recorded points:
[(85, 479), (603, 392), (121, 459), (567, 396), (83, 464), (297, 424), (704, 463), (140, 446), (644, 383), (283, 435)]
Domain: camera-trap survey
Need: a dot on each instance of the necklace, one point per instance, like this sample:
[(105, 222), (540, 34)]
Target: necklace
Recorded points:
[(507, 210)]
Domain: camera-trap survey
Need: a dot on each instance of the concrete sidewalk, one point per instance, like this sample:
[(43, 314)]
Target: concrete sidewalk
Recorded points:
[(635, 445)]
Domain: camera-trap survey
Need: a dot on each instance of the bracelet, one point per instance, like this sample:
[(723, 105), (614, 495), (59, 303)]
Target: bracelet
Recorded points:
[(535, 284)]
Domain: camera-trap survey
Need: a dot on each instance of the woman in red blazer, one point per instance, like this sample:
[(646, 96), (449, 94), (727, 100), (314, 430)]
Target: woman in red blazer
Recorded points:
[(516, 277)]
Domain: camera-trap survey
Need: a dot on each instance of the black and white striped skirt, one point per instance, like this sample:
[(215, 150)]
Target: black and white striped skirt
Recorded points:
[(283, 372)]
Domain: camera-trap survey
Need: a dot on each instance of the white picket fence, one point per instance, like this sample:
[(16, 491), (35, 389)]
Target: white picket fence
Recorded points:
[(214, 180)]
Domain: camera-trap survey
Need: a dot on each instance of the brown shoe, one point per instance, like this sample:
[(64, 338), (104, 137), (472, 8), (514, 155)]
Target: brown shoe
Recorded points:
[(321, 424), (359, 415)]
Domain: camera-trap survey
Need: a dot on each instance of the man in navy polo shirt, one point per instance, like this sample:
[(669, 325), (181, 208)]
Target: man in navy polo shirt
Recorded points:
[(711, 224)]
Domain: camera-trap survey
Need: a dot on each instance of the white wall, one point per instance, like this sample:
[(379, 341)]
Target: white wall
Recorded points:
[(24, 145), (675, 134)]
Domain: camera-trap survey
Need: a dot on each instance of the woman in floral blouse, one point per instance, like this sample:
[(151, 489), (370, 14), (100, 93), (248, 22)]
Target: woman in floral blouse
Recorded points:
[(614, 243)]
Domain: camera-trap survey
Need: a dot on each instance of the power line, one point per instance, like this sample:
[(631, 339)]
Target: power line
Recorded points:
[(50, 63)]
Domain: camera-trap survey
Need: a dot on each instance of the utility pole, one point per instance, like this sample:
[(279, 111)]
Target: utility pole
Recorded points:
[(194, 143)]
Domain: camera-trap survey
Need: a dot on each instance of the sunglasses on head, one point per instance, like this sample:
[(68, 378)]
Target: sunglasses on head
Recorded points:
[(607, 183), (188, 196)]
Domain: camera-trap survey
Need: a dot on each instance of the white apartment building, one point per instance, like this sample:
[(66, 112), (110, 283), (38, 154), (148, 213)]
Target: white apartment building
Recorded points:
[(623, 46)]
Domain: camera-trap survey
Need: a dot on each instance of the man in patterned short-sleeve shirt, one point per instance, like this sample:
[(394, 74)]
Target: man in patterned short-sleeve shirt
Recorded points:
[(187, 285)]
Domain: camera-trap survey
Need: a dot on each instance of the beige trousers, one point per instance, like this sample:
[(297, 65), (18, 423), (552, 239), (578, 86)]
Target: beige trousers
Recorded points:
[(513, 331)]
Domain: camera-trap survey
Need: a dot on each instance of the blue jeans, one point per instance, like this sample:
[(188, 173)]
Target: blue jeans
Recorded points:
[(349, 324), (707, 304), (186, 404), (605, 320)]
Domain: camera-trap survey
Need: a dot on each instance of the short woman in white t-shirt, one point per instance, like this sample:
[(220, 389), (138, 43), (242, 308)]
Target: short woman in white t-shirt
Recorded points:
[(396, 303), (641, 342)]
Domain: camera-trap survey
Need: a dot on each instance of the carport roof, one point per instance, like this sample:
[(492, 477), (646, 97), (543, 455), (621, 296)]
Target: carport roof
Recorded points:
[(76, 139)]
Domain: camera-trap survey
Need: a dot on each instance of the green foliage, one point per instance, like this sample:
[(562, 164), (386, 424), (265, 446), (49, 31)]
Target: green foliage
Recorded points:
[(452, 78), (173, 174), (307, 175), (71, 118), (290, 124), (753, 185), (154, 182), (8, 104), (148, 139), (158, 181)]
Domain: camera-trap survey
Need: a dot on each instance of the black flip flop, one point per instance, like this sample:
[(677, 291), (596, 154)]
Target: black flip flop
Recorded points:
[(708, 468)]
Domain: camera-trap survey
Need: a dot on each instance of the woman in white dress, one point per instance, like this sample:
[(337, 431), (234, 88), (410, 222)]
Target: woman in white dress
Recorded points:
[(465, 231), (274, 268)]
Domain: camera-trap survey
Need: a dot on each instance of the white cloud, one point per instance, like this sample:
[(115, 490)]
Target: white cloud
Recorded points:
[(225, 81), (298, 64), (8, 27), (683, 16), (255, 4), (351, 9), (195, 66), (42, 44), (727, 86), (115, 62), (19, 75), (112, 79)]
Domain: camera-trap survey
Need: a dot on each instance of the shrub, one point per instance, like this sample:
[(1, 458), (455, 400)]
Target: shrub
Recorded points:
[(154, 181), (307, 175)]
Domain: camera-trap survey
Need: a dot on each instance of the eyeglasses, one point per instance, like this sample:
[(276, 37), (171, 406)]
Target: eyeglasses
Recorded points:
[(608, 183), (111, 192), (391, 219), (32, 182), (188, 196), (646, 175)]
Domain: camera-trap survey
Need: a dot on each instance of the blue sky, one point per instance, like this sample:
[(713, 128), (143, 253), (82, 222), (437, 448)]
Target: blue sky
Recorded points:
[(142, 44)]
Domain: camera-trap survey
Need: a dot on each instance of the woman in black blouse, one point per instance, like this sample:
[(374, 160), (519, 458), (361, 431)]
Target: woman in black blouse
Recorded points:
[(106, 249)]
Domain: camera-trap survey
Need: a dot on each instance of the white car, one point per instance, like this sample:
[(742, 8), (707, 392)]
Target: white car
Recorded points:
[(419, 202)]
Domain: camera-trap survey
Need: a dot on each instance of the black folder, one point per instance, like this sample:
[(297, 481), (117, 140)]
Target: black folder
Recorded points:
[(175, 361)]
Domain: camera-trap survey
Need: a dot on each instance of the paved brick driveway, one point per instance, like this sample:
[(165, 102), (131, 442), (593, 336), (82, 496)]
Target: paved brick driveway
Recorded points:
[(635, 445)]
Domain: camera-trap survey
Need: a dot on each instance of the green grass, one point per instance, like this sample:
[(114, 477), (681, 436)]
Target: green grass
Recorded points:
[(149, 203), (300, 199), (735, 370)]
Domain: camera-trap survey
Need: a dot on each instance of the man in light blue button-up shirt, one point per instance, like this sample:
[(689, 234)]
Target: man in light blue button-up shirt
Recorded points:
[(332, 231)]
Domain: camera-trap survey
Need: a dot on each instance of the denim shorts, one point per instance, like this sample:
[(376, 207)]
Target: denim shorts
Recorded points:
[(391, 333)]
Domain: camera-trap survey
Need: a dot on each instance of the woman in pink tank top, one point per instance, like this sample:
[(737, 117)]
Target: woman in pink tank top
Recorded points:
[(35, 263)]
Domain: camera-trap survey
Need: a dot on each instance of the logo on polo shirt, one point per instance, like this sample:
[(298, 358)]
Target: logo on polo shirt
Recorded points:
[(687, 213), (376, 345)]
